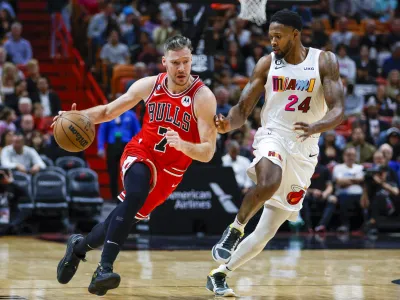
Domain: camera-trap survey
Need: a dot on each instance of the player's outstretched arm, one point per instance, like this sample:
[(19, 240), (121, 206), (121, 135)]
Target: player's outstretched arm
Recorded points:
[(138, 91), (334, 97), (248, 99), (205, 106)]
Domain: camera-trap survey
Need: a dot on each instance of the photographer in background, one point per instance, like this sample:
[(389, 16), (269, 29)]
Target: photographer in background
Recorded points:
[(379, 188), (11, 218)]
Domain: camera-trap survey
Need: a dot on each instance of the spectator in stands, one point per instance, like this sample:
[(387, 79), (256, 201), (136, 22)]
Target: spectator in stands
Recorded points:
[(24, 106), (374, 125), (18, 47), (139, 71), (4, 5), (114, 52), (370, 38), (366, 9), (11, 100), (130, 26), (7, 118), (330, 152), (116, 134), (237, 32), (393, 84), (364, 150), (367, 69), (49, 99), (5, 23), (319, 195), (319, 37), (8, 79), (383, 135), (98, 25), (394, 35), (38, 117), (235, 59), (150, 25), (33, 75), (342, 8), (222, 96), (39, 143), (387, 106), (242, 136), (239, 164), (393, 139), (347, 66), (348, 178), (225, 80), (393, 62), (354, 103), (305, 14), (379, 189), (6, 139), (20, 157), (343, 36), (12, 193), (385, 9), (27, 126), (257, 53), (162, 33)]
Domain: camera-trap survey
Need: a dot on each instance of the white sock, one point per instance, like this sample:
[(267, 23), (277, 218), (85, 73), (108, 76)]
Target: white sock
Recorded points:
[(239, 226), (223, 269)]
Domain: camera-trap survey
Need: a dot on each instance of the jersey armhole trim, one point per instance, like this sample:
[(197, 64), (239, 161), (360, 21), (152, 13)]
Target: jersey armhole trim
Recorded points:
[(194, 97), (152, 90)]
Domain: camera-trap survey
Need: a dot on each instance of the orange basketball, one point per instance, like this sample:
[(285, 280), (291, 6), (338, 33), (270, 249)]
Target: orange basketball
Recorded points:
[(73, 131)]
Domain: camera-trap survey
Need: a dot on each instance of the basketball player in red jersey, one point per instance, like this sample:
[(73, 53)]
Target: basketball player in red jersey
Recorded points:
[(178, 126)]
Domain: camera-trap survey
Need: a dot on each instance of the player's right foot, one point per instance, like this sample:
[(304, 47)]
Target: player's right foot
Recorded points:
[(68, 265), (223, 250), (104, 279), (216, 283)]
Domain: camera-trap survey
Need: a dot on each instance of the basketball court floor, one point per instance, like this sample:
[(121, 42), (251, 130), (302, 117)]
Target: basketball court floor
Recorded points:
[(291, 267)]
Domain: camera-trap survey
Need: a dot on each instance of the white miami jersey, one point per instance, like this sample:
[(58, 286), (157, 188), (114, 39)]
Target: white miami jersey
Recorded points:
[(293, 93)]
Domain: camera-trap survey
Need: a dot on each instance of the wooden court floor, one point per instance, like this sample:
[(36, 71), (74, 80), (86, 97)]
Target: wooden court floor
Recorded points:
[(28, 271)]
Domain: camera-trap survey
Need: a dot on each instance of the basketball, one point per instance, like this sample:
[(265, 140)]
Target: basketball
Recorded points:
[(73, 131)]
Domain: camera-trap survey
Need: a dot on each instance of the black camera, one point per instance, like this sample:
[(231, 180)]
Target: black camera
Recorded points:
[(370, 172)]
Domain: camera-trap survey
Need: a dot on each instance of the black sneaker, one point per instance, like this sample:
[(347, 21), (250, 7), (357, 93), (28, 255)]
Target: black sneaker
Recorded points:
[(216, 283), (103, 280), (223, 250), (68, 265)]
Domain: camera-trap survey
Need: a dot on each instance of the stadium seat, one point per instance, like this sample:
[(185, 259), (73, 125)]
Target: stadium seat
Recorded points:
[(119, 72), (47, 160), (84, 193), (58, 170), (70, 162), (24, 181), (50, 193)]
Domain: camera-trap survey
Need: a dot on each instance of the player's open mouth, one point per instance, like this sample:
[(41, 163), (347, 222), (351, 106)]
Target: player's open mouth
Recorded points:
[(181, 76)]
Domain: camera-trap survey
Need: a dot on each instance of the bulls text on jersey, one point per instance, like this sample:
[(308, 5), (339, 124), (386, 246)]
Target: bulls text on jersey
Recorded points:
[(160, 112)]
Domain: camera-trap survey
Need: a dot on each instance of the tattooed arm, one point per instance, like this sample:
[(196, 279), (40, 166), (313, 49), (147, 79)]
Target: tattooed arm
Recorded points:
[(248, 99), (334, 97)]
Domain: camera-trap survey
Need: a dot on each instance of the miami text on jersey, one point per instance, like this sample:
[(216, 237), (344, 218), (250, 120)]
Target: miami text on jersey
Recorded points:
[(159, 112), (282, 83)]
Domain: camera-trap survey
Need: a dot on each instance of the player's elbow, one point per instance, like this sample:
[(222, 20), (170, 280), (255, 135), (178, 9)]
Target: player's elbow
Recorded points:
[(208, 155)]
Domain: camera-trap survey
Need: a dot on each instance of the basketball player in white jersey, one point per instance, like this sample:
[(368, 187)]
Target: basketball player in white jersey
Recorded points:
[(303, 97)]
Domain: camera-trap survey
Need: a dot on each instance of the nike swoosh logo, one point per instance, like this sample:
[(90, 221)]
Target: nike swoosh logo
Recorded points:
[(109, 242), (276, 68), (174, 185), (155, 94), (313, 155)]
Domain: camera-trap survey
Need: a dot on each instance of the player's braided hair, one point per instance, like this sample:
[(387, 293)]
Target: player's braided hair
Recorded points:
[(288, 18), (177, 42)]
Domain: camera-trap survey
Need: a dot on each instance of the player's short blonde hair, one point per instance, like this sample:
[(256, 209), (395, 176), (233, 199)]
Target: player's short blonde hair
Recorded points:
[(177, 42)]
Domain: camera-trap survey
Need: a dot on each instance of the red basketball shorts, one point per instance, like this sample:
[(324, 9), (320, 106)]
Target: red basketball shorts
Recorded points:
[(163, 181)]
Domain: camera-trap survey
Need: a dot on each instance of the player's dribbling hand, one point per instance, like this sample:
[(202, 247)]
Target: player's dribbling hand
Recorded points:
[(173, 139), (308, 130), (73, 107), (223, 125)]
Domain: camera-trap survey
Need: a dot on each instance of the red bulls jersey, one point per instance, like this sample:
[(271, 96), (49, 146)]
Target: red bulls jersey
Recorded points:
[(176, 111)]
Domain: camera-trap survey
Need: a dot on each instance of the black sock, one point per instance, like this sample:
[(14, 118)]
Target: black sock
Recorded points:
[(137, 187)]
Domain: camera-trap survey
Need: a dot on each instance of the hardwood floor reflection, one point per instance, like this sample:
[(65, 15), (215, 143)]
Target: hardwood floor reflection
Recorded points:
[(28, 270)]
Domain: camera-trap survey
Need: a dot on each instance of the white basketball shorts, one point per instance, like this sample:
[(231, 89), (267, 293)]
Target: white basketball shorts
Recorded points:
[(297, 160)]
